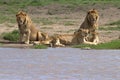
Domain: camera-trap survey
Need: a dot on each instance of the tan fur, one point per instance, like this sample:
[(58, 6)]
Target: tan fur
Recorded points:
[(57, 40), (91, 21), (28, 32), (80, 36), (94, 38)]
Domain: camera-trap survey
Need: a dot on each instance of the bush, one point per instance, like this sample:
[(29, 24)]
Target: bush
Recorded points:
[(11, 36)]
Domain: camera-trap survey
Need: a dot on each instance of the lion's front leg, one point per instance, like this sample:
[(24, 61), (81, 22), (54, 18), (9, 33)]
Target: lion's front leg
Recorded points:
[(58, 44), (22, 37), (39, 36), (96, 39), (27, 38), (88, 42)]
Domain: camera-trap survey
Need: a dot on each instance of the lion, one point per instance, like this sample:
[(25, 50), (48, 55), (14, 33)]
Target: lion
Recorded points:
[(56, 40), (28, 32), (82, 37)]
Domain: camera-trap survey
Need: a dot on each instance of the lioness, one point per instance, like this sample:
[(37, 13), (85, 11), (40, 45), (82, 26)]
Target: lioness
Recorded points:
[(82, 37), (28, 32), (57, 40)]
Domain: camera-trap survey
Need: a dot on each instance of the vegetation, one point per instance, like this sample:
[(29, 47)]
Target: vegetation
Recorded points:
[(116, 27), (12, 6), (40, 46), (115, 23), (24, 3), (111, 26), (115, 44), (11, 36), (1, 44), (46, 21), (69, 23)]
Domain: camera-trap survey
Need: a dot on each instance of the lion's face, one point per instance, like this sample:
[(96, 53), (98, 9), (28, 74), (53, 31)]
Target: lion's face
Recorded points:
[(92, 17), (21, 17), (83, 32)]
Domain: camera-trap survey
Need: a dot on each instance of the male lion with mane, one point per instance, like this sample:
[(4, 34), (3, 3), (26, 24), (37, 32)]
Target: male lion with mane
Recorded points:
[(91, 21), (28, 32)]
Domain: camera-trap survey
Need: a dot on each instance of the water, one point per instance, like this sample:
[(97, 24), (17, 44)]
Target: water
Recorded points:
[(59, 64)]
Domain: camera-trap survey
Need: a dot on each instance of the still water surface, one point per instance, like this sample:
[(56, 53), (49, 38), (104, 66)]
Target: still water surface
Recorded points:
[(59, 64)]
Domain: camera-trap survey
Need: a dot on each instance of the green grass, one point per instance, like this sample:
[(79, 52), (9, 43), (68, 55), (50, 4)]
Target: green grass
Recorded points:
[(115, 44), (46, 21), (69, 23), (115, 23), (40, 46), (23, 3), (11, 36), (110, 28), (1, 44), (10, 7), (71, 30)]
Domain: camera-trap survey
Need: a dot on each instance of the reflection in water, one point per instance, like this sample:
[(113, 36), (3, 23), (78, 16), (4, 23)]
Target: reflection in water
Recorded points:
[(59, 64)]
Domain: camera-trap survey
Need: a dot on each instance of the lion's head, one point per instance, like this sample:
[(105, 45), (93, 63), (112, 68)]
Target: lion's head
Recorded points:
[(22, 18), (92, 18), (82, 33)]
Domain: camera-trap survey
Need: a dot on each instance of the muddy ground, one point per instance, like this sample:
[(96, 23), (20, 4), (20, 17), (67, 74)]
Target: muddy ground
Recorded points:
[(61, 19)]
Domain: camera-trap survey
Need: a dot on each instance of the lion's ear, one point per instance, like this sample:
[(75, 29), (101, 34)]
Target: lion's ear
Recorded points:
[(88, 12), (16, 15), (93, 11)]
